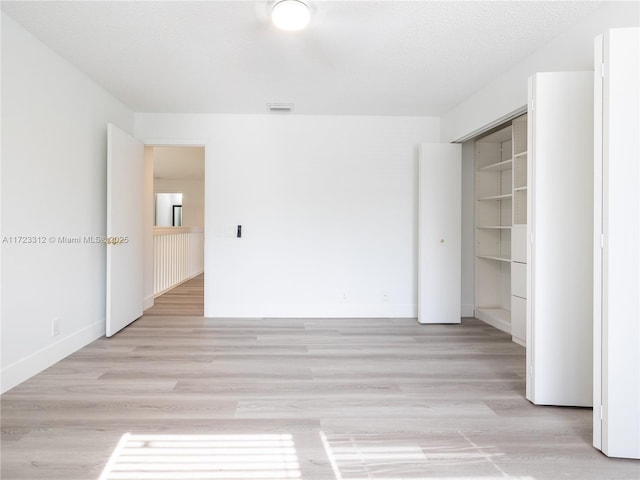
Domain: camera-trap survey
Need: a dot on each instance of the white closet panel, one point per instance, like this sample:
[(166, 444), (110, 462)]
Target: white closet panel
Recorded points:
[(560, 226), (439, 233), (616, 419)]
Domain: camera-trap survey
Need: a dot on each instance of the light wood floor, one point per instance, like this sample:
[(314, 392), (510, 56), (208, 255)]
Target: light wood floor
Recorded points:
[(185, 299), (315, 399)]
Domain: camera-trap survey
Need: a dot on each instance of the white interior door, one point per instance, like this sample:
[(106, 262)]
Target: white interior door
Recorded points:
[(125, 229), (616, 420), (439, 237), (560, 232)]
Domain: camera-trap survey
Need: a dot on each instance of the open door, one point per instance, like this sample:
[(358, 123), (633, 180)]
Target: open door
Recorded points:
[(125, 229), (560, 235), (616, 380), (439, 233)]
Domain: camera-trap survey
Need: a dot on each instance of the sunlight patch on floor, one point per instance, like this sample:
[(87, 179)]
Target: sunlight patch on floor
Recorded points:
[(377, 457), (203, 457)]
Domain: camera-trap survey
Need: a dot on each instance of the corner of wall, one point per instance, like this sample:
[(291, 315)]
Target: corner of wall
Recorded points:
[(51, 280), (36, 362), (505, 95)]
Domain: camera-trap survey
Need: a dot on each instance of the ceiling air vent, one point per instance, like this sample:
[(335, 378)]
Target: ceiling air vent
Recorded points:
[(280, 107)]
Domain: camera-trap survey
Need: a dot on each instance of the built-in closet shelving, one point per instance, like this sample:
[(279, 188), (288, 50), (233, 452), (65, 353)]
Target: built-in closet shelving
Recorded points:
[(519, 232), (500, 219), (519, 127)]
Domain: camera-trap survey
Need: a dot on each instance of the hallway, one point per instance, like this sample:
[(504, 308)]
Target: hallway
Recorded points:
[(187, 299)]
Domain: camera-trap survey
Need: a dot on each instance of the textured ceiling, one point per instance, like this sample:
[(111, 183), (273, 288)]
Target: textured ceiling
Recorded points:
[(357, 57)]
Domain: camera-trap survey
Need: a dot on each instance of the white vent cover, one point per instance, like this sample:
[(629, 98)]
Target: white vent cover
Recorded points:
[(280, 107)]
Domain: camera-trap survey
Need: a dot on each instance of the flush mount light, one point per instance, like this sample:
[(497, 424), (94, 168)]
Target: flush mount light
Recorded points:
[(290, 15), (280, 107)]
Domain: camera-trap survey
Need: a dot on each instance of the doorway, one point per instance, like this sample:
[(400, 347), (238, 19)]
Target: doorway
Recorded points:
[(175, 206)]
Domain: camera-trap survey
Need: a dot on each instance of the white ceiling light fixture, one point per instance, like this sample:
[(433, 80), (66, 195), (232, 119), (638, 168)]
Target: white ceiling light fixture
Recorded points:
[(280, 107), (290, 15)]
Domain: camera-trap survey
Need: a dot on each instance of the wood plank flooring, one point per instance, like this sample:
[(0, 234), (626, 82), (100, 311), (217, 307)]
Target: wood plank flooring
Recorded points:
[(315, 399), (185, 299)]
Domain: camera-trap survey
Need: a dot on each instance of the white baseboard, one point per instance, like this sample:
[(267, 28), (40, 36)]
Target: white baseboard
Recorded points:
[(466, 310), (29, 366), (382, 310), (148, 302), (494, 322)]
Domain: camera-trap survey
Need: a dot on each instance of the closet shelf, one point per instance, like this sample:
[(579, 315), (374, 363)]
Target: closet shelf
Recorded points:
[(521, 154), (520, 189), (506, 227), (496, 167), (498, 259), (505, 196)]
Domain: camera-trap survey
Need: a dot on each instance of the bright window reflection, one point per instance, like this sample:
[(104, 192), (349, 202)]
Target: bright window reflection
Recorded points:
[(195, 457)]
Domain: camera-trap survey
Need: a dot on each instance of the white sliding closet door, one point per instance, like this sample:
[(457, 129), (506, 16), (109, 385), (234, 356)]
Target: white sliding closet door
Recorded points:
[(560, 271), (439, 236), (616, 415)]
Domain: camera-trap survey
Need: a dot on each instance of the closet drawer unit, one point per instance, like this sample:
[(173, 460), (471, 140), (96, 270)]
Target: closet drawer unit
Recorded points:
[(519, 318), (519, 279), (519, 243)]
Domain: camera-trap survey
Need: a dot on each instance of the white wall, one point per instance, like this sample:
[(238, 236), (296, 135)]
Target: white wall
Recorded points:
[(53, 184), (328, 207), (572, 50), (192, 198)]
